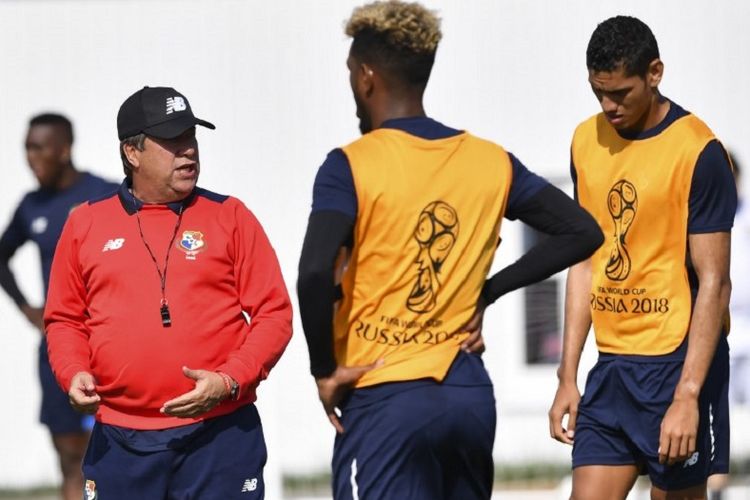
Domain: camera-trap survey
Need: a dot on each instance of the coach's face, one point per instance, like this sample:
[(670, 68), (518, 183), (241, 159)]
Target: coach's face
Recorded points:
[(627, 101), (167, 169), (48, 153)]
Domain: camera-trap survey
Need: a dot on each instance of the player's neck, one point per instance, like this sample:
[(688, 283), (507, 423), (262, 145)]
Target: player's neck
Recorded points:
[(68, 177), (397, 109), (657, 112)]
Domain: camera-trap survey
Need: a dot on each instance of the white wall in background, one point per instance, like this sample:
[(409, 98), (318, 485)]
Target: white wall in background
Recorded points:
[(272, 77)]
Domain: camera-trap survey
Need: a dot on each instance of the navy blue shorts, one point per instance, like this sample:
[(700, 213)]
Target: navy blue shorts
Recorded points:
[(620, 414), (219, 458), (428, 441), (56, 412)]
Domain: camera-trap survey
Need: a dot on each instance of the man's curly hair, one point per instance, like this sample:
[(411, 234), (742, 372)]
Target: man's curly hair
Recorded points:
[(398, 37), (622, 41)]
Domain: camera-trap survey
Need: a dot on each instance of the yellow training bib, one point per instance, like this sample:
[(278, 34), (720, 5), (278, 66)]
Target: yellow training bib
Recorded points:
[(428, 222), (638, 191)]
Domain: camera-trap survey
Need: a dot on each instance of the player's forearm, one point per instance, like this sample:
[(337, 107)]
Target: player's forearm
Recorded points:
[(572, 235), (709, 254), (9, 284), (711, 304), (316, 290), (316, 294), (577, 320)]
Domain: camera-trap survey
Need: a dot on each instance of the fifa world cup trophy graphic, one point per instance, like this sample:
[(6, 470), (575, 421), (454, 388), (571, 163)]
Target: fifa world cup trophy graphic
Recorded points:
[(622, 202), (436, 233)]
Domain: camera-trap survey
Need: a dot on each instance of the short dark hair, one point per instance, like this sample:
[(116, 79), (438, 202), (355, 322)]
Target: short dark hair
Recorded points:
[(54, 119), (622, 41), (398, 37), (137, 141)]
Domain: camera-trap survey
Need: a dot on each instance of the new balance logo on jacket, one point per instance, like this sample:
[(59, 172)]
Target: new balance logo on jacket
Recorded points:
[(114, 244)]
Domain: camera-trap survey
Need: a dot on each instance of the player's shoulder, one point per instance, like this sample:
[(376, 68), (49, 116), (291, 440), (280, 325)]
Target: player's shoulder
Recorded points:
[(589, 125), (334, 169), (96, 179), (101, 197), (372, 148), (335, 157), (96, 184), (695, 127), (29, 198), (364, 141), (483, 142)]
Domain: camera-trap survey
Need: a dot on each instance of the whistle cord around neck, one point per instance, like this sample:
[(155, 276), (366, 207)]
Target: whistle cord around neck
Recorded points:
[(166, 319)]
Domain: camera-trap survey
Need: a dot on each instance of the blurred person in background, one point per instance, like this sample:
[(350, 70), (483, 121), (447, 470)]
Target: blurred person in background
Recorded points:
[(39, 218), (739, 341), (739, 306)]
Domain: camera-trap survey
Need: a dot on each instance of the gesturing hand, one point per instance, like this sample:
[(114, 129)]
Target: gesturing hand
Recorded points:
[(209, 391), (332, 389), (565, 403), (82, 393)]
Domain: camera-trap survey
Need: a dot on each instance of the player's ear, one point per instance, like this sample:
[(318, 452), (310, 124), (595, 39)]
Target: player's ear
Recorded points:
[(654, 73), (366, 79)]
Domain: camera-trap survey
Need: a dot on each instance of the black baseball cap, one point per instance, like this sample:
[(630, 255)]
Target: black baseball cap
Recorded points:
[(160, 112)]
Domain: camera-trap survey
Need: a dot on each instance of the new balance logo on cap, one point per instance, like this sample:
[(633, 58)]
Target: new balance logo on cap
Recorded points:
[(114, 244), (160, 112), (175, 104), (249, 485)]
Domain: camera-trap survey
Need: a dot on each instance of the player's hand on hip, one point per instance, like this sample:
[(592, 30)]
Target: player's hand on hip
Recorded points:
[(82, 393), (565, 403), (679, 431), (474, 343), (208, 392), (332, 389), (35, 315)]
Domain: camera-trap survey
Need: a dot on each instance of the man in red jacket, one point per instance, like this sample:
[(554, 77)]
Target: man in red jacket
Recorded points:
[(146, 319)]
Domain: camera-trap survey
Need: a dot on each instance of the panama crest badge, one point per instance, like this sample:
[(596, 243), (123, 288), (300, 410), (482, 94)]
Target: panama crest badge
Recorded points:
[(192, 243)]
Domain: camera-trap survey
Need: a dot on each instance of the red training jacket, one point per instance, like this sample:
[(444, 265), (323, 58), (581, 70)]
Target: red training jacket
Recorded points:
[(103, 306)]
